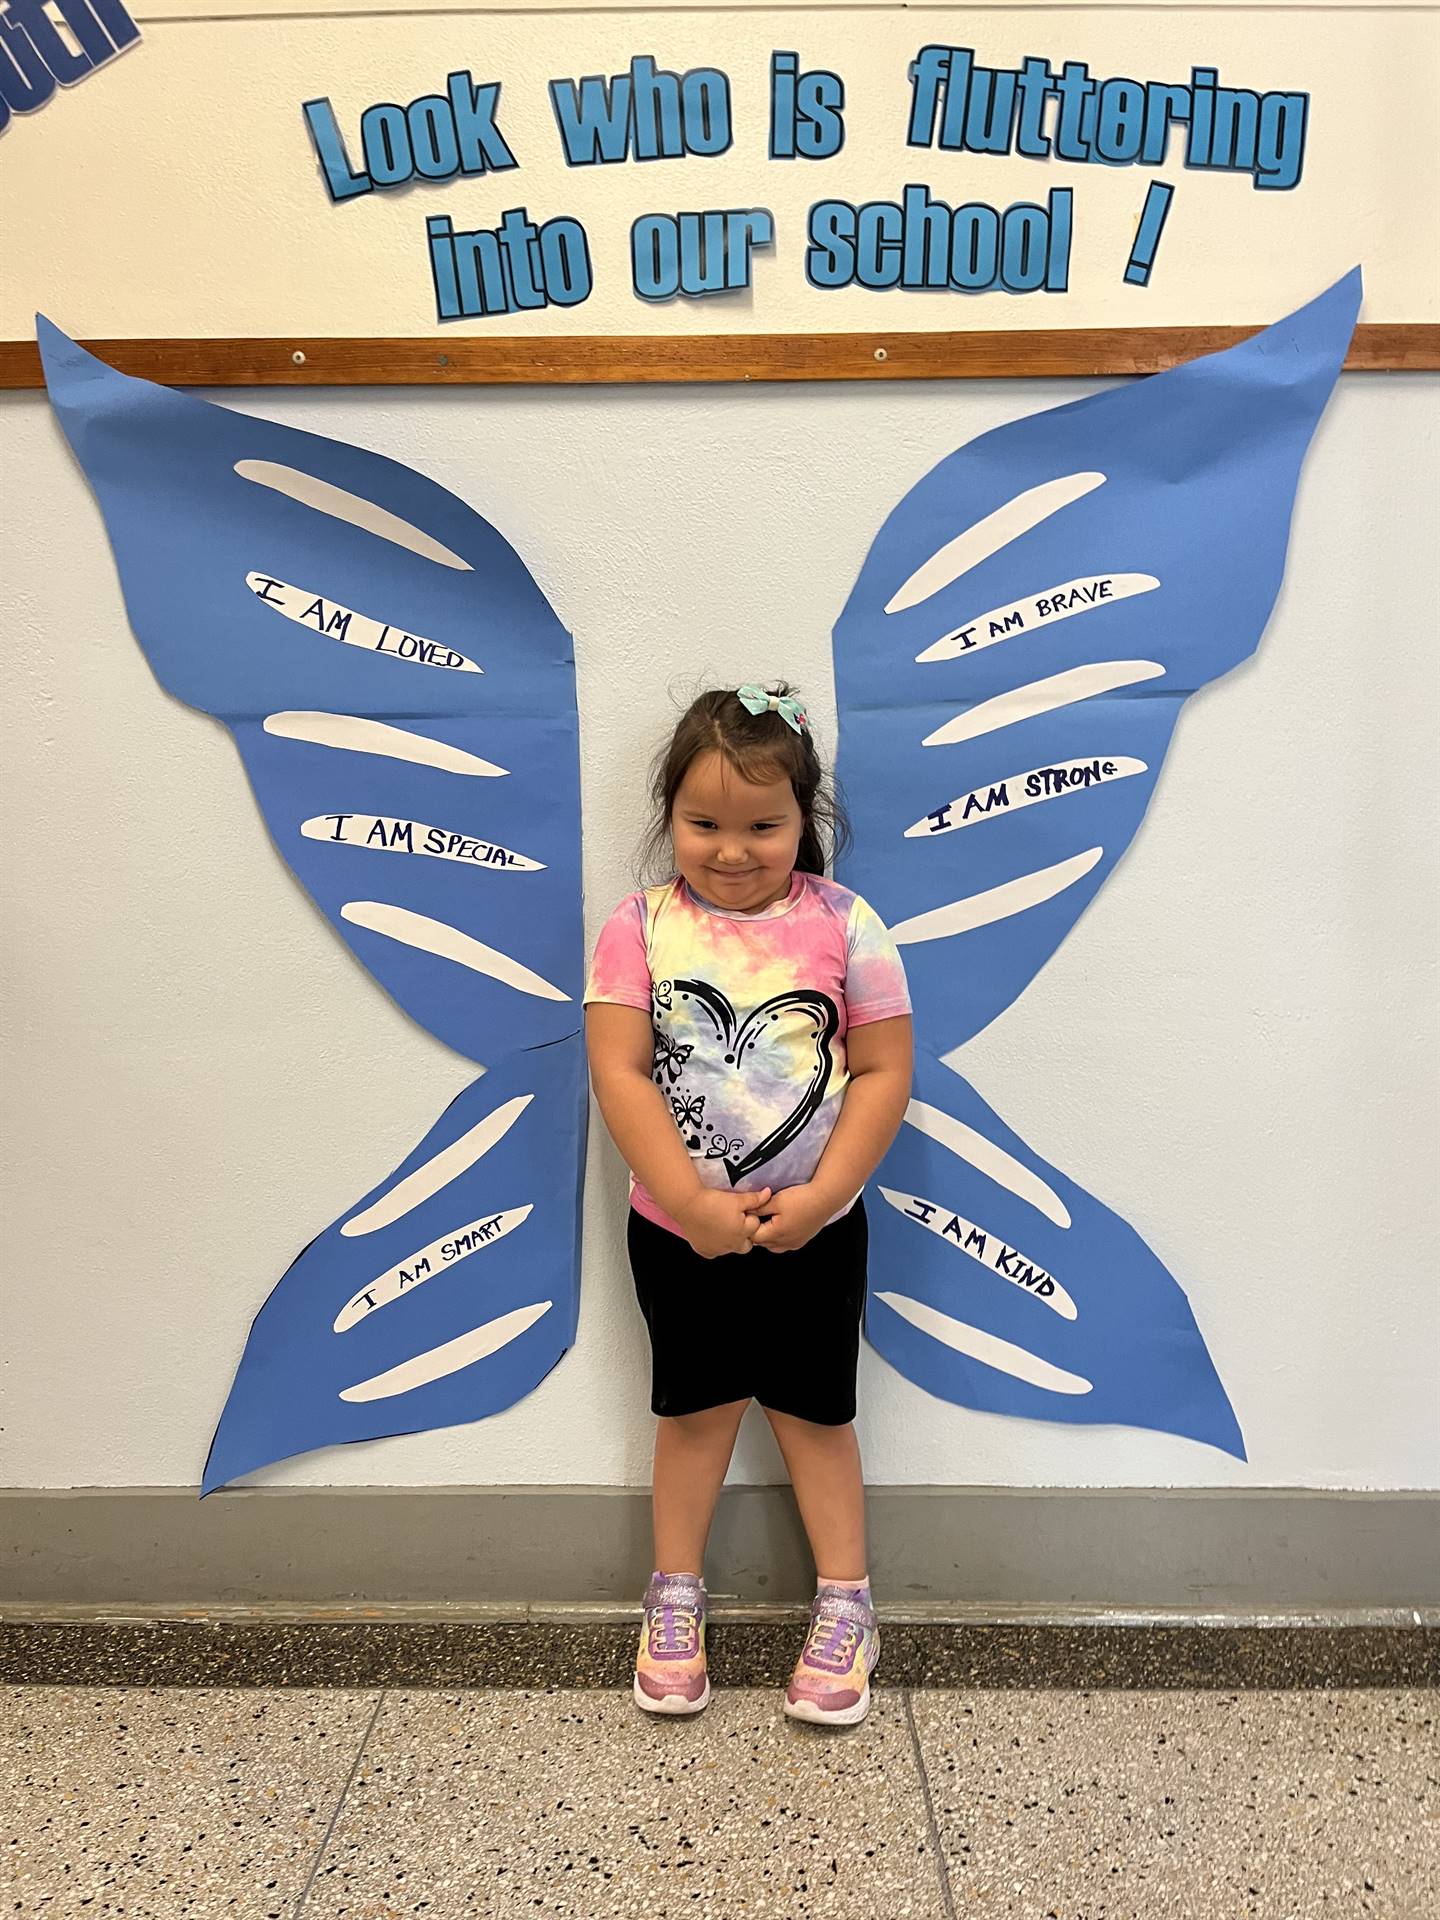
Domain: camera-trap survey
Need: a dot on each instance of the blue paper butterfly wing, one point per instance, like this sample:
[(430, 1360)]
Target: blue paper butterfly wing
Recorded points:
[(1184, 480), (527, 918), (1062, 848), (997, 1283), (1009, 670), (189, 530), (459, 1304), (403, 698)]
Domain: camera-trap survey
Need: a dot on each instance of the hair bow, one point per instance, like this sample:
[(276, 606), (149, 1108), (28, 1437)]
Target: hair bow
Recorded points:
[(757, 700)]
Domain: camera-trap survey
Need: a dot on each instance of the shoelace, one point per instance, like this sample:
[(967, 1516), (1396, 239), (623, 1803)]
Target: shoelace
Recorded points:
[(673, 1630), (832, 1639)]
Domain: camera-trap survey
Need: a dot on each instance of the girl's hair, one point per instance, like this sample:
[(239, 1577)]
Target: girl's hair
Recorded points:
[(760, 747)]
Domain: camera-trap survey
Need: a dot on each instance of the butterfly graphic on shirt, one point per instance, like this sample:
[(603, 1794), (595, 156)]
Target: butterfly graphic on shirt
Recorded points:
[(689, 1112), (669, 1060), (1009, 668)]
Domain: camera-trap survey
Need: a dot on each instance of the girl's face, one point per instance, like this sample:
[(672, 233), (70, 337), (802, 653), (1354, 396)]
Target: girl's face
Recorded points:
[(735, 840)]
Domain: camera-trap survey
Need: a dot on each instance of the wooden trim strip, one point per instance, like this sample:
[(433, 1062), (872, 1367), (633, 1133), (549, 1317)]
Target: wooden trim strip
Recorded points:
[(161, 13), (1382, 347)]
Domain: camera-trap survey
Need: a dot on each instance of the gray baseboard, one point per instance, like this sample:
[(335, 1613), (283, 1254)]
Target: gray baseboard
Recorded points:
[(1197, 1551)]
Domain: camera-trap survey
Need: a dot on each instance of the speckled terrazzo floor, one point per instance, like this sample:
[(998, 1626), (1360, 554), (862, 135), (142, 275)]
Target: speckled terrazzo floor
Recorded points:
[(294, 1803)]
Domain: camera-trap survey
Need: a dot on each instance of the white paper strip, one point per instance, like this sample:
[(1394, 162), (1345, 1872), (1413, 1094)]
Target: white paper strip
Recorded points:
[(996, 903), (385, 833), (982, 1153), (327, 618), (1038, 610), (1042, 696), (351, 507), (353, 734), (435, 1364), (989, 535), (447, 943), (447, 1165), (987, 1348), (426, 1262), (990, 1250)]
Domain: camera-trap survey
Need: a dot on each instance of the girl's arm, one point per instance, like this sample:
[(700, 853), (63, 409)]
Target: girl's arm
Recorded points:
[(880, 1059), (621, 1044)]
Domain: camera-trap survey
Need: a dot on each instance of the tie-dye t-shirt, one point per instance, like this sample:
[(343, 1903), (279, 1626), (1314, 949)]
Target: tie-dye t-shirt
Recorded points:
[(750, 1012)]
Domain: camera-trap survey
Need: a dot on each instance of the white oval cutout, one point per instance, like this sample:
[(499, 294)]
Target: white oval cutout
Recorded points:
[(988, 1348), (1042, 696), (996, 903), (998, 1255), (1029, 789), (324, 497), (427, 935), (385, 833), (979, 1151), (352, 733), (432, 1175), (1038, 610), (333, 622), (989, 535), (450, 1357), (441, 1256)]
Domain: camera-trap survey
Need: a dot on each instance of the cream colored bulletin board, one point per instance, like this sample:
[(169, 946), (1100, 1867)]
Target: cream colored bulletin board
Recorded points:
[(184, 195)]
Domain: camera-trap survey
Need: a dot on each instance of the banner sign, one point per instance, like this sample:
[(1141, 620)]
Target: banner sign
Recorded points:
[(528, 172)]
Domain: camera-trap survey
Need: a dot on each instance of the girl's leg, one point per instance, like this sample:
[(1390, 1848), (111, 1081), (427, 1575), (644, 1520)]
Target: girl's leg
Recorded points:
[(692, 1452), (831, 1682), (824, 1468)]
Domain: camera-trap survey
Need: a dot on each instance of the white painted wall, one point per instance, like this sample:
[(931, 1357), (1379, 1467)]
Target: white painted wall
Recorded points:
[(1237, 1048)]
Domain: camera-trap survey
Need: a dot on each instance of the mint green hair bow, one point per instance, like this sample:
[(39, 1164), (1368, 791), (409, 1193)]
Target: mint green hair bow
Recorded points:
[(756, 700)]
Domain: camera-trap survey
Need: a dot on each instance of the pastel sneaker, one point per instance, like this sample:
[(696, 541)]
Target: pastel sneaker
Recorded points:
[(670, 1674), (831, 1683)]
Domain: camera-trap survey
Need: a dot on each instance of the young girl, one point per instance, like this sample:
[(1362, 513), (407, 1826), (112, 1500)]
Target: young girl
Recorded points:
[(749, 1034)]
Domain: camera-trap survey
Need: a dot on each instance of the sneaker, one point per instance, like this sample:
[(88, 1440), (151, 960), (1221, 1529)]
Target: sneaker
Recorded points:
[(670, 1674), (831, 1683)]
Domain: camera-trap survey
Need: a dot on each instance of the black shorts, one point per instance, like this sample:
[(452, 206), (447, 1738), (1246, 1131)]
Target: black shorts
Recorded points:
[(780, 1328)]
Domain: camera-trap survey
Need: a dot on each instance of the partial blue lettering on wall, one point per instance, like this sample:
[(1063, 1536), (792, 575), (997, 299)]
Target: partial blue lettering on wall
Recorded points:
[(43, 47)]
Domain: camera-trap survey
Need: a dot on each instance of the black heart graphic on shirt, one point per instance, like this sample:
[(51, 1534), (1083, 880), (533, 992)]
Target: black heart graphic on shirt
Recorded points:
[(740, 1038)]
